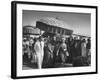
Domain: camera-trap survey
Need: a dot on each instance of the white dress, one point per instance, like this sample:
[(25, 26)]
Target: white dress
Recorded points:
[(42, 50), (83, 47), (38, 47)]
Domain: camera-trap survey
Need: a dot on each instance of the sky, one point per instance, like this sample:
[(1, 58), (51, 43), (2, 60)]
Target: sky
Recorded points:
[(80, 23)]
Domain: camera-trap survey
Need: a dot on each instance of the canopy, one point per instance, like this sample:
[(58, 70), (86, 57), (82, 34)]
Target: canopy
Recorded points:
[(53, 25), (31, 30), (46, 34)]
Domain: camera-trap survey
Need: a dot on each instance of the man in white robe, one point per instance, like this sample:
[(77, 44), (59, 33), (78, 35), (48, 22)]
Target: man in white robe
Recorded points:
[(39, 49), (83, 47)]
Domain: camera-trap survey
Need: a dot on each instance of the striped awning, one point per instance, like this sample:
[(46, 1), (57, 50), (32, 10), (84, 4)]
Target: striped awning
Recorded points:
[(54, 25)]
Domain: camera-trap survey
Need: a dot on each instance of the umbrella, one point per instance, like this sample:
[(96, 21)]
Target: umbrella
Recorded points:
[(53, 25), (31, 30)]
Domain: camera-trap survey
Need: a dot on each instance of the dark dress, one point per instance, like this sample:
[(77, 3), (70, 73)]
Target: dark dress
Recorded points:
[(71, 50), (48, 57), (77, 48), (55, 54)]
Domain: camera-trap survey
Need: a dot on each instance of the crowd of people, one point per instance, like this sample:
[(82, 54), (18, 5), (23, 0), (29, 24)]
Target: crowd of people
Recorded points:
[(47, 52)]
